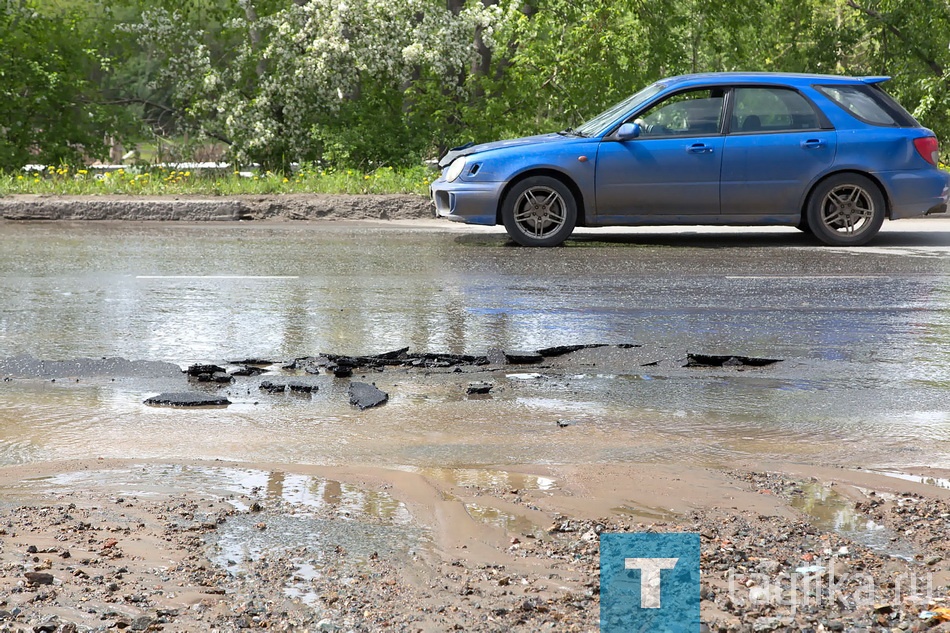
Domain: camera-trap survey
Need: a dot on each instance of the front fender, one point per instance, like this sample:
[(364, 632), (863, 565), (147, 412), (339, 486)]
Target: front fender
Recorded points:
[(573, 162)]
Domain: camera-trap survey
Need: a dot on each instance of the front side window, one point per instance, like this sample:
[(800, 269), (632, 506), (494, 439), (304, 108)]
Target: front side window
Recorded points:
[(690, 113), (869, 104), (598, 123), (771, 110)]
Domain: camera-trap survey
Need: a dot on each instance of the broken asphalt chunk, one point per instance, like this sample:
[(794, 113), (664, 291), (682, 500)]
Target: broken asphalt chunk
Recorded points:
[(712, 360), (294, 386), (187, 399), (561, 350), (479, 388), (198, 370), (366, 396), (272, 387), (248, 370), (208, 373), (523, 358)]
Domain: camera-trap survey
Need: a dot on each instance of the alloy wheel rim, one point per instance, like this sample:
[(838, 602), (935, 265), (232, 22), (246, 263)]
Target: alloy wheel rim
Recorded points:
[(847, 210), (540, 212)]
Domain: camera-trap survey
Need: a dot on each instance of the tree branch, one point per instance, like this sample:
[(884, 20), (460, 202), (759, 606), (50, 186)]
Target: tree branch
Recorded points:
[(924, 57), (163, 108)]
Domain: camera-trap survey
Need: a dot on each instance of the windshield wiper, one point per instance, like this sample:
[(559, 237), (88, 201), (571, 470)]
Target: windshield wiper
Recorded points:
[(571, 132)]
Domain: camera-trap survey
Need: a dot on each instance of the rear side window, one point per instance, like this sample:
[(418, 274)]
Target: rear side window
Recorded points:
[(771, 110), (869, 104)]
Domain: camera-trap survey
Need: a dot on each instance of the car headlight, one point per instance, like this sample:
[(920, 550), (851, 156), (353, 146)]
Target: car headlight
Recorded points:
[(455, 169)]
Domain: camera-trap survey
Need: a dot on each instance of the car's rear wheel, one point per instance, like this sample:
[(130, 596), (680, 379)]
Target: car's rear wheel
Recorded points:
[(539, 211), (846, 210)]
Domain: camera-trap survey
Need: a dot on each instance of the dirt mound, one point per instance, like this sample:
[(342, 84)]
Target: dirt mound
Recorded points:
[(210, 208)]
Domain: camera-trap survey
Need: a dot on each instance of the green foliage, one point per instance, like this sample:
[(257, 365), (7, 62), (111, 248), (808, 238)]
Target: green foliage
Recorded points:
[(364, 83), (910, 40), (49, 111)]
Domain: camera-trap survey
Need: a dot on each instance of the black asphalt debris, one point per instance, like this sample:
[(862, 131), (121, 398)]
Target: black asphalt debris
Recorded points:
[(187, 399), (479, 388), (366, 396), (711, 360), (208, 373)]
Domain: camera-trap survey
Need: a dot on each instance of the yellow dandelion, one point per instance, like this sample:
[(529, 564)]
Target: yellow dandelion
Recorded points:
[(286, 180), (187, 174)]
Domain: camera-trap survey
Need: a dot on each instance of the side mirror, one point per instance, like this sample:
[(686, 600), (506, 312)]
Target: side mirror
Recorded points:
[(628, 132)]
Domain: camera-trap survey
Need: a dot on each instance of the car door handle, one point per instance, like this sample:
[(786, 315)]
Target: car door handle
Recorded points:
[(813, 143), (699, 148)]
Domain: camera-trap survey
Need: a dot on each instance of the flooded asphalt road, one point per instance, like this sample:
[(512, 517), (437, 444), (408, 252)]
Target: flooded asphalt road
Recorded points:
[(863, 334)]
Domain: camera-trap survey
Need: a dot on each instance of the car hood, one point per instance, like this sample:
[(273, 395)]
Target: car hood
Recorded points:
[(466, 150)]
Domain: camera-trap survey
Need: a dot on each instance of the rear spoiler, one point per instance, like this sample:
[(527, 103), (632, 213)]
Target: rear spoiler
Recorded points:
[(873, 80)]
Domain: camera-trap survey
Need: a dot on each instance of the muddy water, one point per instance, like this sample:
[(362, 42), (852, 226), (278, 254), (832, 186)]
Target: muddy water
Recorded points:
[(864, 334)]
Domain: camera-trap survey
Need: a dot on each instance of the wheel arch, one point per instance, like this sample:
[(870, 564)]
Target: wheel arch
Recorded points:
[(803, 210), (566, 180)]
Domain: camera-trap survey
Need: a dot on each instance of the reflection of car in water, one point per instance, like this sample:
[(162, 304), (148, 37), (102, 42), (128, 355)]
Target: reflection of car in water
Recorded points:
[(835, 156)]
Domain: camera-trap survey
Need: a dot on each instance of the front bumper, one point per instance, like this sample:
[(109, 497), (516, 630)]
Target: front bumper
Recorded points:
[(469, 202)]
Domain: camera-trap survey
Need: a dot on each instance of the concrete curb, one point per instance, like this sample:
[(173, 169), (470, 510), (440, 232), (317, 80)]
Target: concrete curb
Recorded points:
[(210, 209)]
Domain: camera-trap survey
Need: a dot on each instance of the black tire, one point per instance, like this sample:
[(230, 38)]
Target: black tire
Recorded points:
[(846, 210), (539, 211)]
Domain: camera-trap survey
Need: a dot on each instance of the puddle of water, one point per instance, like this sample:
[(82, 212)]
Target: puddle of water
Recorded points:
[(328, 515), (307, 542), (141, 297), (305, 574), (640, 511), (831, 511), (485, 478), (524, 377), (510, 522), (310, 494), (939, 482)]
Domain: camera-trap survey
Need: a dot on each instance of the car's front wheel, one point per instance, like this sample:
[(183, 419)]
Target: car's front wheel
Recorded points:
[(846, 210), (539, 211)]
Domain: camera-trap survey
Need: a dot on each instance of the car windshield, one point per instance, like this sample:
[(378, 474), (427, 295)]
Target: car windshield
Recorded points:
[(596, 125)]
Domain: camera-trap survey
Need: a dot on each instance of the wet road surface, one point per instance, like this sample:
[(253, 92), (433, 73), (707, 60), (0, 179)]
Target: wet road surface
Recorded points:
[(864, 335)]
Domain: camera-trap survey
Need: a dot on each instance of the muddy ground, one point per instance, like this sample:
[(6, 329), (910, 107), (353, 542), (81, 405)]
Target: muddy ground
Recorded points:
[(92, 558)]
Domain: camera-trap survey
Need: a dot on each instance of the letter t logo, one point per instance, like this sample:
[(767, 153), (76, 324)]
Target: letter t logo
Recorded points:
[(650, 578)]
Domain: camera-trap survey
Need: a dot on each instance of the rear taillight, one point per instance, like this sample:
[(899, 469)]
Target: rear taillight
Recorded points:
[(927, 147)]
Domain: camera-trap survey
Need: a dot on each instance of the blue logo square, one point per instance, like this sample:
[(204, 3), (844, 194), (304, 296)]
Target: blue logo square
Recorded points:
[(649, 583)]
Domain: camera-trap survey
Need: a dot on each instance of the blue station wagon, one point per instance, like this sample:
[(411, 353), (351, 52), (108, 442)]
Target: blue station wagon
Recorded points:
[(831, 155)]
